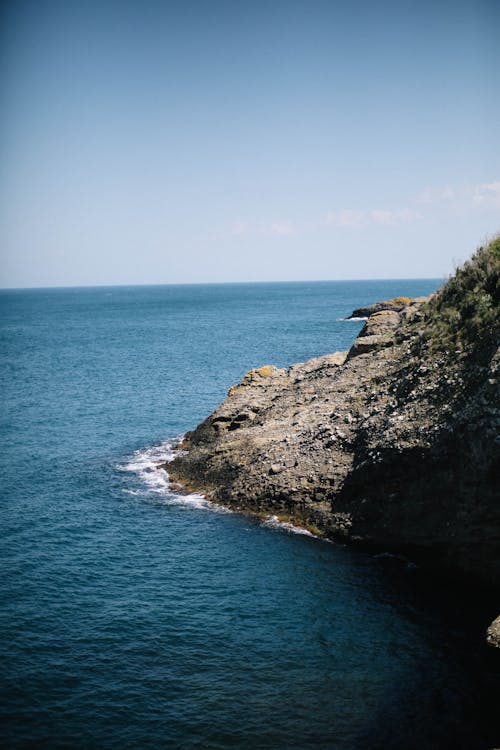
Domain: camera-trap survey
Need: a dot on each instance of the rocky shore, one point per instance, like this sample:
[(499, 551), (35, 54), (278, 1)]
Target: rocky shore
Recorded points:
[(393, 444)]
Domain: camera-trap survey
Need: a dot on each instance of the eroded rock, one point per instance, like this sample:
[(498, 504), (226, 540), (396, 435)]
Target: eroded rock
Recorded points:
[(493, 633)]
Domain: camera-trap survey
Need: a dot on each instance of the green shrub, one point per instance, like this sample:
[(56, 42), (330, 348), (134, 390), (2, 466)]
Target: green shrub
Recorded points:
[(465, 313)]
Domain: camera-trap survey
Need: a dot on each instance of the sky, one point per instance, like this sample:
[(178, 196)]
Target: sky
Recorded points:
[(148, 142)]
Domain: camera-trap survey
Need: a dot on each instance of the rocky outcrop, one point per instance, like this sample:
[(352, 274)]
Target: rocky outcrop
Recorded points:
[(393, 305), (493, 633), (394, 444), (377, 333)]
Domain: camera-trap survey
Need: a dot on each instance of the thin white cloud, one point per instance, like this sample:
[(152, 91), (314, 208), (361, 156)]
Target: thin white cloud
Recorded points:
[(240, 227), (394, 218), (487, 194), (436, 195), (484, 195), (457, 199), (282, 228), (275, 228), (386, 218), (345, 218)]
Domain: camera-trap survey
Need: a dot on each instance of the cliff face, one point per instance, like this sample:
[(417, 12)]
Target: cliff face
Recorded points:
[(394, 443)]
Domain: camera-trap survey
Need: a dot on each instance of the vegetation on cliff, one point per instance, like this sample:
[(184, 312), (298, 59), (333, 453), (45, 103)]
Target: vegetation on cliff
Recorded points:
[(451, 341), (464, 316)]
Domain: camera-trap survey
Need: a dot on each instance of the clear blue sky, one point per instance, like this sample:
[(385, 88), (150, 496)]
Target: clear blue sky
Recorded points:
[(191, 141)]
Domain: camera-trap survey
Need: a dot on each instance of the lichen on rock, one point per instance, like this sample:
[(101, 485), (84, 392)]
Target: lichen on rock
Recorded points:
[(255, 377)]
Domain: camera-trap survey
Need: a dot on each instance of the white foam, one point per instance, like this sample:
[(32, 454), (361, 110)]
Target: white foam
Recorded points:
[(355, 320), (275, 523), (145, 463)]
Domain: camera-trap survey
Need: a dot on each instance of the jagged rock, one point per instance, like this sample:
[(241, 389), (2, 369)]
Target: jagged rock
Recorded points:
[(380, 323), (257, 376), (493, 633), (366, 344), (377, 333)]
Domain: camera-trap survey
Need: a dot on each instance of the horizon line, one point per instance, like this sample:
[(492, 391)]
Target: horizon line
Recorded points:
[(218, 283)]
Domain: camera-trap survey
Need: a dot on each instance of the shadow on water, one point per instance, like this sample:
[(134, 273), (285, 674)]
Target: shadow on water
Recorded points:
[(423, 711)]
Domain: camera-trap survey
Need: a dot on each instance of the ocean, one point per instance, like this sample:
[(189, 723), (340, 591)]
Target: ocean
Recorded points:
[(135, 618)]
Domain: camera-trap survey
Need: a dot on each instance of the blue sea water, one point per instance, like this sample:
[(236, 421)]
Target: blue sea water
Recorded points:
[(133, 618)]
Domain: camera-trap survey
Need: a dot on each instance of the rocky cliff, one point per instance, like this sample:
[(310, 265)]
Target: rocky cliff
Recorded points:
[(393, 444)]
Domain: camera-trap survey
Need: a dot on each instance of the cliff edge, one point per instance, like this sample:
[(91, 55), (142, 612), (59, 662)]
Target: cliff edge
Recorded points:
[(393, 444)]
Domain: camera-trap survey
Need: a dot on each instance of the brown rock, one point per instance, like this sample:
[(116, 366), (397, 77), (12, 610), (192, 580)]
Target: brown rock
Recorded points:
[(493, 633)]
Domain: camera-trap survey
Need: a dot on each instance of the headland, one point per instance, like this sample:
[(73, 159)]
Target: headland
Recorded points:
[(394, 444)]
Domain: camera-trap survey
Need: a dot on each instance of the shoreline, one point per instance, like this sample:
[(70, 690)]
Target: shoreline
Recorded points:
[(178, 487)]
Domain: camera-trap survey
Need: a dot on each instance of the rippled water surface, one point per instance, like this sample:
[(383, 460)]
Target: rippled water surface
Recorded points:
[(132, 618)]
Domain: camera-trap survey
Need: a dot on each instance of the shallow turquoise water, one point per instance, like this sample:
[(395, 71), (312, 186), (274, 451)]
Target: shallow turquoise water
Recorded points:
[(135, 619)]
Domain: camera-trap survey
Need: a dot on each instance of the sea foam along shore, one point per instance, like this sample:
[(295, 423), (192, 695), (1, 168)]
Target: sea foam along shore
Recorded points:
[(143, 464)]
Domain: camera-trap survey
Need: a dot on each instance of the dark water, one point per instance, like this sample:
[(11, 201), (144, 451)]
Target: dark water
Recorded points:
[(135, 619)]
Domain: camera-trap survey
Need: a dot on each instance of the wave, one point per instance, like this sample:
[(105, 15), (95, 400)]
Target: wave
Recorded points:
[(290, 528), (144, 464)]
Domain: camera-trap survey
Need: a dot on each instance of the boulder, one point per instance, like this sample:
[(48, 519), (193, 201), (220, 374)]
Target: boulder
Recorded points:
[(493, 633)]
